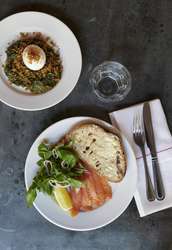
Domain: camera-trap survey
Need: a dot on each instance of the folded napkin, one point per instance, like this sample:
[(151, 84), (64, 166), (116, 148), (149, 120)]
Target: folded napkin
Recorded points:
[(124, 119)]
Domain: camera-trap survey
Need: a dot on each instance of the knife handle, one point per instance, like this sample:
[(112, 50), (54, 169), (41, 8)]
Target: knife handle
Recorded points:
[(158, 183), (149, 187)]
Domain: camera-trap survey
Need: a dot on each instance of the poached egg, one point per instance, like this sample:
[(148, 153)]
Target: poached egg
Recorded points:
[(34, 57)]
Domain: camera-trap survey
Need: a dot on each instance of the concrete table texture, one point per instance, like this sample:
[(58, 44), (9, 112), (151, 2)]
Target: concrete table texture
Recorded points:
[(138, 34)]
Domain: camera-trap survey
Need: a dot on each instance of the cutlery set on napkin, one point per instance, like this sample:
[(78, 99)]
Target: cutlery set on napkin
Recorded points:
[(146, 128)]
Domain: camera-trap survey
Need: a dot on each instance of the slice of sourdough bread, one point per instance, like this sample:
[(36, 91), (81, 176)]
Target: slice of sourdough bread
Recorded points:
[(99, 149)]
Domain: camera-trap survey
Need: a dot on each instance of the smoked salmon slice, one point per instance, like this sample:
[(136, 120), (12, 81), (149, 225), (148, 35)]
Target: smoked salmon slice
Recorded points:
[(76, 198), (94, 193), (107, 189), (86, 201), (95, 190)]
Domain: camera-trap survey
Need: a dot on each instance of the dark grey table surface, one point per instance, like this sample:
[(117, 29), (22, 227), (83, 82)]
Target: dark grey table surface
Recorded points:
[(137, 33)]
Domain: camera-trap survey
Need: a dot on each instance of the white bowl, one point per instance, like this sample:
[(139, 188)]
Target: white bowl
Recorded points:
[(70, 53), (122, 192)]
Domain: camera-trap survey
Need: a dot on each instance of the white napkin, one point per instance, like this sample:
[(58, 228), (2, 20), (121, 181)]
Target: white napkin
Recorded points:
[(163, 139)]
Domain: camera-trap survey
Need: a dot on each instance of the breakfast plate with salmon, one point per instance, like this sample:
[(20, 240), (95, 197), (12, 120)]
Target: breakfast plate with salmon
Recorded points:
[(80, 173)]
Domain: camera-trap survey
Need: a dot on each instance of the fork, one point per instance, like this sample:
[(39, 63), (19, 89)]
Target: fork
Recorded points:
[(139, 138)]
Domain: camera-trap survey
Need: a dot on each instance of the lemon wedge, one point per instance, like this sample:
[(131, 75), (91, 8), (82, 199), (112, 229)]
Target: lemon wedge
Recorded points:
[(63, 198)]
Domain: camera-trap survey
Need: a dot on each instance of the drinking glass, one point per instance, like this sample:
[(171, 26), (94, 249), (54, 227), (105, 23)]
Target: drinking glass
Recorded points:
[(111, 81)]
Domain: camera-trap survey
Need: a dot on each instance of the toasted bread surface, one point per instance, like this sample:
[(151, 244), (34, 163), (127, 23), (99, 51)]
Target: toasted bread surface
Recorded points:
[(99, 149)]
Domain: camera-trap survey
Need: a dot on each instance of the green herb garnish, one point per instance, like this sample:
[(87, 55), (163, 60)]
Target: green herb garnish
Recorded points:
[(57, 165)]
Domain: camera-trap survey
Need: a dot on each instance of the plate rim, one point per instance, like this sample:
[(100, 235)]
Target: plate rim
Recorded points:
[(109, 221), (18, 107)]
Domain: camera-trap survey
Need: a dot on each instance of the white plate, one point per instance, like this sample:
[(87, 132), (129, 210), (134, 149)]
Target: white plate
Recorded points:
[(70, 52), (122, 192)]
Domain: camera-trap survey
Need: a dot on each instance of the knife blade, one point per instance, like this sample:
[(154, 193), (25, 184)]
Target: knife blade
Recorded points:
[(150, 140)]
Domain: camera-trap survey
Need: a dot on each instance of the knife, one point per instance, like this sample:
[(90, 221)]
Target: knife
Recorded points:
[(150, 139)]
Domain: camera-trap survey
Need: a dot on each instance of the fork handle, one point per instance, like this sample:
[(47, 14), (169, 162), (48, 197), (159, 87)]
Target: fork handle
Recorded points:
[(149, 187)]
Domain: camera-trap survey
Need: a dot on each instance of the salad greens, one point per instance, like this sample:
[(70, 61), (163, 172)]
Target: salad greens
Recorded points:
[(58, 165)]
